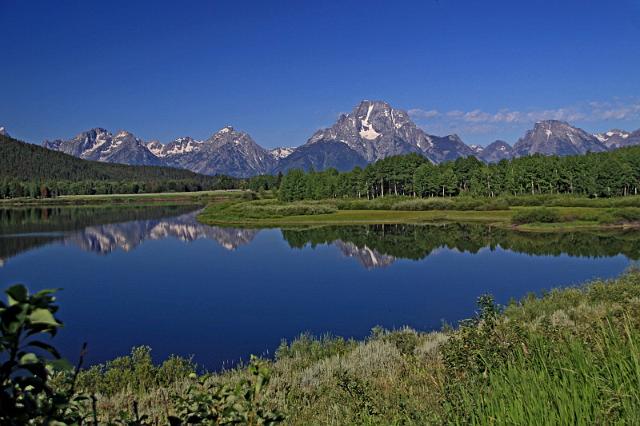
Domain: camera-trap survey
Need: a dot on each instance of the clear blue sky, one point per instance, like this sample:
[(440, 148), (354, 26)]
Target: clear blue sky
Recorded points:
[(282, 69)]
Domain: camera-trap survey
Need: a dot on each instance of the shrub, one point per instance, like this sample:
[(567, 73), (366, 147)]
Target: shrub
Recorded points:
[(307, 349), (380, 203), (537, 215), (135, 372), (627, 214), (265, 211), (214, 404)]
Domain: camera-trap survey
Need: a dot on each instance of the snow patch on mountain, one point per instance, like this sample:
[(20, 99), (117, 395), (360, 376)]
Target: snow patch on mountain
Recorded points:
[(367, 131)]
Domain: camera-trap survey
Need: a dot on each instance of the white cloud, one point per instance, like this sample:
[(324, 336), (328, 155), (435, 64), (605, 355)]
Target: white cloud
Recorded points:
[(591, 111), (455, 114), (420, 113)]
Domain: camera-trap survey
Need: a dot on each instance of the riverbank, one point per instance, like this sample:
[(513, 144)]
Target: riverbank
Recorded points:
[(570, 356), (524, 214), (201, 197)]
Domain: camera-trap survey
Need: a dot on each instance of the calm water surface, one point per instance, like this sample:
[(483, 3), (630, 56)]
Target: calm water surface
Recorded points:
[(155, 276)]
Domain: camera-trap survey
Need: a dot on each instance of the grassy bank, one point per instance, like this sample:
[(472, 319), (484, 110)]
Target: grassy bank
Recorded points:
[(201, 197), (568, 357), (524, 213)]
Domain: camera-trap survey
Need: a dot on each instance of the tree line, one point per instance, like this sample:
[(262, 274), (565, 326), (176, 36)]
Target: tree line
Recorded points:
[(607, 174), (13, 188)]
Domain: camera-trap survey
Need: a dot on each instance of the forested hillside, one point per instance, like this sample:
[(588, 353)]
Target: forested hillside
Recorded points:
[(606, 174), (31, 170)]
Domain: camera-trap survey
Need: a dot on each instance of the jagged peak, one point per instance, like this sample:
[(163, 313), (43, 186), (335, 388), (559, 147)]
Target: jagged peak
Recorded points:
[(123, 134), (374, 102), (226, 132), (97, 130), (94, 131)]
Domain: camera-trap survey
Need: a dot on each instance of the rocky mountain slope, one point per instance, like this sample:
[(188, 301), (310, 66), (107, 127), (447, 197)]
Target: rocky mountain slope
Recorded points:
[(321, 156), (552, 137), (228, 152)]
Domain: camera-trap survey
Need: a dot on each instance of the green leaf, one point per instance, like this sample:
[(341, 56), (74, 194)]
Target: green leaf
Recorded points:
[(46, 292), (43, 316), (17, 293), (29, 358), (60, 365)]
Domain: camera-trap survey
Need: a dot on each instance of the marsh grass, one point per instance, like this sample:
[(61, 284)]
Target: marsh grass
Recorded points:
[(527, 213), (586, 215)]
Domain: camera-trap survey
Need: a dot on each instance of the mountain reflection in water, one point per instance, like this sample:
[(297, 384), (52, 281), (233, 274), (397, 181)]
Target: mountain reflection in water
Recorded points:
[(127, 236)]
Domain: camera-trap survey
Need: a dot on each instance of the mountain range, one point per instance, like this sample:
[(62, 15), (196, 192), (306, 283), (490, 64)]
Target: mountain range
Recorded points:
[(372, 131)]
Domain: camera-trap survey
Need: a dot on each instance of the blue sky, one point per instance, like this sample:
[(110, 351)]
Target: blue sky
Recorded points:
[(282, 69)]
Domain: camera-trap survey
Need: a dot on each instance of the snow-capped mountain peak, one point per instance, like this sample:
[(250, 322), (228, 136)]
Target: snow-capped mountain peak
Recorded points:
[(375, 130), (281, 152)]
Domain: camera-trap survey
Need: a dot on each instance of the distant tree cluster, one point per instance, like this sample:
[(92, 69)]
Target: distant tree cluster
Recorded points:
[(606, 174), (28, 170), (263, 182)]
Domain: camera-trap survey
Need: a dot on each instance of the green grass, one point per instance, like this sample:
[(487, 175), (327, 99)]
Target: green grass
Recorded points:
[(568, 357), (496, 212), (575, 383)]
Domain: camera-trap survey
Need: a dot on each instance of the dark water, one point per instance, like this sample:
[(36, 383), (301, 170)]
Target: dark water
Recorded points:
[(155, 276)]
